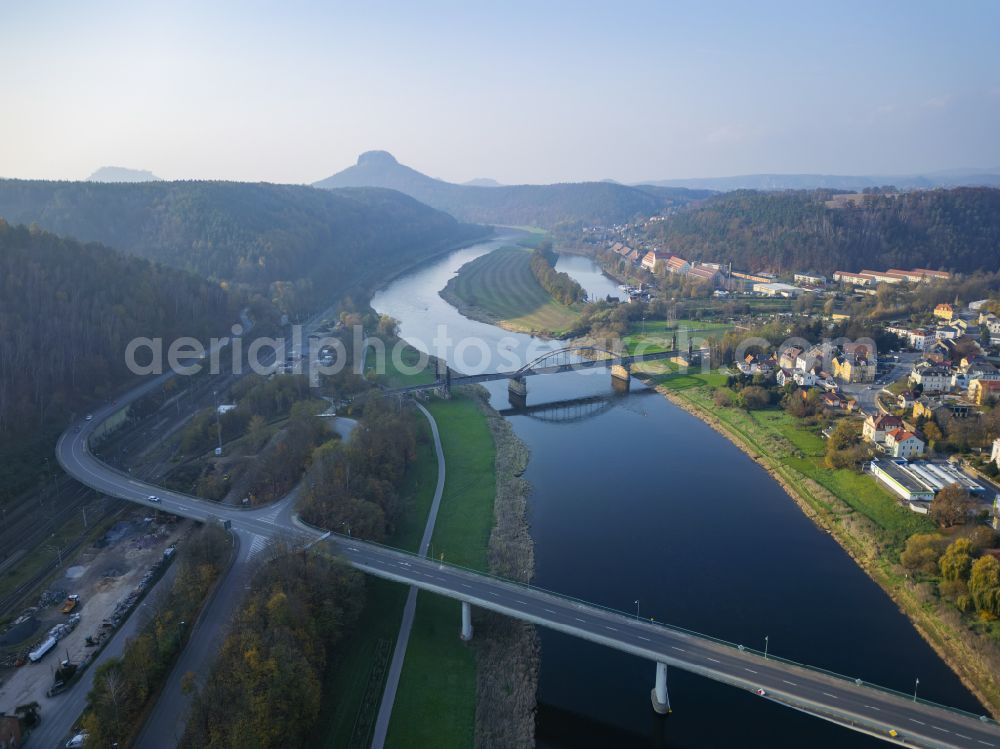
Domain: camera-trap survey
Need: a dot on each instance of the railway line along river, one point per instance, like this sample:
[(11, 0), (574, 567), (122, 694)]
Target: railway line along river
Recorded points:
[(635, 500)]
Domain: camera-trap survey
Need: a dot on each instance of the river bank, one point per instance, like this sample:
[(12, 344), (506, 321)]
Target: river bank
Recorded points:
[(507, 650), (971, 656), (500, 288)]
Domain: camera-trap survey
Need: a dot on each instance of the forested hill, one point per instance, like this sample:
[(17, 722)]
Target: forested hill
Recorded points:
[(581, 203), (956, 230), (302, 242), (67, 312)]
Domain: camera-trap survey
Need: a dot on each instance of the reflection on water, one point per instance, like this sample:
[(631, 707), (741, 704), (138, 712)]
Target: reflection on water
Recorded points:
[(641, 501)]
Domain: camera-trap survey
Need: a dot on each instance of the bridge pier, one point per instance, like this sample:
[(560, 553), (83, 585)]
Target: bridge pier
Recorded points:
[(659, 695), (621, 377), (444, 377), (466, 621), (517, 392)]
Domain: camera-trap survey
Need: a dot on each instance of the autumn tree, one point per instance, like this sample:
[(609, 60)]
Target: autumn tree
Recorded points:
[(922, 553), (951, 506), (984, 586), (956, 560)]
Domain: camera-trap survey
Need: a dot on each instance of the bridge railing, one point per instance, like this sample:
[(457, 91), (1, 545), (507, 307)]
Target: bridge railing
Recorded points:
[(675, 628)]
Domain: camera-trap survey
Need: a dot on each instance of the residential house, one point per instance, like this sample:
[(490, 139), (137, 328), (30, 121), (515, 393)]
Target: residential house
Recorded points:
[(705, 274), (919, 339), (909, 275), (927, 408), (651, 261), (853, 367), (906, 399), (933, 379), (947, 333), (803, 378), (677, 264), (856, 279), (789, 356), (931, 408), (979, 369), (784, 376), (876, 427), (886, 277), (635, 256), (812, 359), (834, 400), (809, 279), (944, 312), (930, 275), (903, 444), (981, 392)]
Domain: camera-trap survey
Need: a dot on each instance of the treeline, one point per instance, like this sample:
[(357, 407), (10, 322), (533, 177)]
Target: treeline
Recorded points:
[(265, 689), (267, 461), (123, 686), (298, 244), (961, 569), (354, 486), (67, 313), (955, 229), (561, 286)]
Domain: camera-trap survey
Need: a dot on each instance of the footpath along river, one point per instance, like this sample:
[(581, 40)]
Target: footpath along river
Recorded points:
[(636, 500)]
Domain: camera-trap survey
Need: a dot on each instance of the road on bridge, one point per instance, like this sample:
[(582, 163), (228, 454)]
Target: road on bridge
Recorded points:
[(859, 707)]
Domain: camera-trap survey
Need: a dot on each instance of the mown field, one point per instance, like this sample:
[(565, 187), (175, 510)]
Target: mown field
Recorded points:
[(500, 288), (658, 335)]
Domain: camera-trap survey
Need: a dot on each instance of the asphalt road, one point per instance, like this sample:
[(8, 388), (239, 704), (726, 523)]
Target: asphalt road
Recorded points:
[(860, 707)]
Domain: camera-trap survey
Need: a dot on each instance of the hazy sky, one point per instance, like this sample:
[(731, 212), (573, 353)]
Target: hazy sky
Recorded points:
[(521, 92)]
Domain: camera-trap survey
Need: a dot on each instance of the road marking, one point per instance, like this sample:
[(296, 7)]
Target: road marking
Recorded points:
[(352, 548), (645, 639), (942, 730), (674, 647), (872, 707), (750, 670), (987, 743), (832, 696), (918, 722), (611, 628), (579, 619), (466, 585), (792, 683), (523, 603), (548, 611), (494, 594), (713, 660), (963, 736)]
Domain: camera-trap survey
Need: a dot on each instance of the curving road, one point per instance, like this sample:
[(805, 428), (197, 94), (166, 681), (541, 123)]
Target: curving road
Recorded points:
[(860, 707)]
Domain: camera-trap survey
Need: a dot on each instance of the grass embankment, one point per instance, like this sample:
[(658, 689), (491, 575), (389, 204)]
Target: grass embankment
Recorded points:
[(865, 519), (356, 677), (398, 364), (436, 702), (500, 288)]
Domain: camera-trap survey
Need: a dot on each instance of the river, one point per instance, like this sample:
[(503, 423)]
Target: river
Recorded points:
[(635, 499)]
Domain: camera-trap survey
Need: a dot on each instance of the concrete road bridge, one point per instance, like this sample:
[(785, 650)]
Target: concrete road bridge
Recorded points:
[(852, 703)]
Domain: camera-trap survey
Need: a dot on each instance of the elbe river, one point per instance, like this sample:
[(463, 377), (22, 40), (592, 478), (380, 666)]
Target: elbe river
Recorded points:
[(634, 500)]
